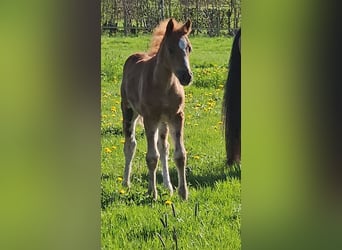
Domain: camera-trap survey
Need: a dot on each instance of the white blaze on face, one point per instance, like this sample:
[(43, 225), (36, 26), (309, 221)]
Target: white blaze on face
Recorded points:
[(182, 44)]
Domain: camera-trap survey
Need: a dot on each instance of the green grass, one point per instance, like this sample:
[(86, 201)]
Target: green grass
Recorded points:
[(210, 219)]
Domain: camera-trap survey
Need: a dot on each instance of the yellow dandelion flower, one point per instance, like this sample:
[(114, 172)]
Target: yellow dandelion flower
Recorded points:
[(113, 109), (211, 104), (107, 150), (121, 191), (221, 86), (196, 157), (220, 123), (119, 179), (117, 102), (122, 141), (168, 202), (113, 147), (104, 116)]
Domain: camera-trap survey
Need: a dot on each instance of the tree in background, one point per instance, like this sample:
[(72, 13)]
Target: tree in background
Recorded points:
[(210, 17)]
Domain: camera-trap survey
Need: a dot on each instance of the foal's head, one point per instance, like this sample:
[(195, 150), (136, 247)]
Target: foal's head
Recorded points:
[(175, 49)]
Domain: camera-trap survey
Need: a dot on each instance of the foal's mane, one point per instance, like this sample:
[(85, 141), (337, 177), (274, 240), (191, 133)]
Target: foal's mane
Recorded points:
[(158, 35)]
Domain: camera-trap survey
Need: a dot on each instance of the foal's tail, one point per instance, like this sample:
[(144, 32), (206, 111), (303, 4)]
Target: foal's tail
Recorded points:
[(231, 108)]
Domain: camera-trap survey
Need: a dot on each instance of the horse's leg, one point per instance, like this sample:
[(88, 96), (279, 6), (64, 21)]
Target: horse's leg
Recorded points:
[(163, 147), (152, 155), (177, 125), (234, 152), (129, 122)]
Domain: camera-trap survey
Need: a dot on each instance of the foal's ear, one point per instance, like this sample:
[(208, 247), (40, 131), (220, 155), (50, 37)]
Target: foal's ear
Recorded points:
[(187, 27), (169, 27)]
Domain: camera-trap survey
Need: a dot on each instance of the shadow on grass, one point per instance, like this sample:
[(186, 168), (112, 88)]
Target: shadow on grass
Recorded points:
[(207, 179), (135, 197), (112, 131), (117, 131)]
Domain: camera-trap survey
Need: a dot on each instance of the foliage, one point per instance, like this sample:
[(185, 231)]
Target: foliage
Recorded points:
[(212, 18), (211, 217)]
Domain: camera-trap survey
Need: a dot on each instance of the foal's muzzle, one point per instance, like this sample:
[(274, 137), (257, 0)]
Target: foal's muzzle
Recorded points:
[(184, 76)]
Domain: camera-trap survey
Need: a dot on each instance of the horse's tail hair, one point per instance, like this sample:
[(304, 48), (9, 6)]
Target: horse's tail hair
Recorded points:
[(231, 107)]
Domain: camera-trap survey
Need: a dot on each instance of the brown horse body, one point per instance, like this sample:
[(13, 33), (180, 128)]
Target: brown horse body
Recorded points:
[(152, 87)]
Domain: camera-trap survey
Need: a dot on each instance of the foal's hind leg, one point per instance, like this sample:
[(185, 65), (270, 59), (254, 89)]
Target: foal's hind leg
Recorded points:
[(177, 125), (152, 156), (163, 147), (129, 122)]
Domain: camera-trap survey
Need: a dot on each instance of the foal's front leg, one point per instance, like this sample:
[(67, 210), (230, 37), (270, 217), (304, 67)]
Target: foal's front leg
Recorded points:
[(152, 155), (163, 147), (177, 125)]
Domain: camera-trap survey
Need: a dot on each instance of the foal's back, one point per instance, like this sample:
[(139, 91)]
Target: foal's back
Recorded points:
[(145, 94)]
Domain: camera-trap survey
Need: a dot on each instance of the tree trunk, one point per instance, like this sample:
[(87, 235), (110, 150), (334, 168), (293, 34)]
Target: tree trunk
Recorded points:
[(125, 10), (170, 12), (162, 15)]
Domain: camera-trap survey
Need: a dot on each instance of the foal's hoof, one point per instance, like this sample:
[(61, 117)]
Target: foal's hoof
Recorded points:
[(183, 192), (153, 194), (126, 183), (170, 188)]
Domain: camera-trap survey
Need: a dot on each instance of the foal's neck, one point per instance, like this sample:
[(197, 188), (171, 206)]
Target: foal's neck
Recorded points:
[(162, 74)]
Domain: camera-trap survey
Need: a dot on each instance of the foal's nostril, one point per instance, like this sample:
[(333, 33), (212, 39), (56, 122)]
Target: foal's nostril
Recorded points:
[(191, 76), (184, 76), (188, 77)]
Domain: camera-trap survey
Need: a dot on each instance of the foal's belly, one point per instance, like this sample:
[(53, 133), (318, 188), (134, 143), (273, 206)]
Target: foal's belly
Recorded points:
[(160, 112)]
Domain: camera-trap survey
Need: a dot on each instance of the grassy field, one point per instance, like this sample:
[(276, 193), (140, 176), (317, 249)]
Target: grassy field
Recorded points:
[(210, 219)]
